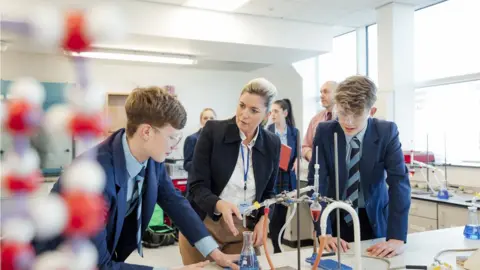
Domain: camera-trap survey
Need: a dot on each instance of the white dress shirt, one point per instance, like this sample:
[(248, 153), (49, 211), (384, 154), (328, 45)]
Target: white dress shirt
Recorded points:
[(234, 190)]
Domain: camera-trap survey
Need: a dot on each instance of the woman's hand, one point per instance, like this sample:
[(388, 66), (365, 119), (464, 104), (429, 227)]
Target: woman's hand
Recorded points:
[(227, 210), (258, 233)]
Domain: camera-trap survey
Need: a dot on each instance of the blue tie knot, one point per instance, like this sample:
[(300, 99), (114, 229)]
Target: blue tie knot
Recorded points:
[(141, 175), (355, 142)]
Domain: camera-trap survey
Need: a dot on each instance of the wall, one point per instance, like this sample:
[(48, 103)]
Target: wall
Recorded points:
[(196, 88), (456, 176), (289, 85)]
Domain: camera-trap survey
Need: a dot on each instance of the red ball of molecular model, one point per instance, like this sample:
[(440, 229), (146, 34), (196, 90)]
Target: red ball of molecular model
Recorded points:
[(79, 211)]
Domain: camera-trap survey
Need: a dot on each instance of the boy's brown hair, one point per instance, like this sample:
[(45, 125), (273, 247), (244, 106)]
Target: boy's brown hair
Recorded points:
[(154, 106), (356, 94)]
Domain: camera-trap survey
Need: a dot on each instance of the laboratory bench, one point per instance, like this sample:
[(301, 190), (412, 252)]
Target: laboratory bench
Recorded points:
[(420, 249), (427, 213)]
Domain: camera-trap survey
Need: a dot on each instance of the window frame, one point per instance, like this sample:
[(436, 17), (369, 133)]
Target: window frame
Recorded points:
[(431, 83)]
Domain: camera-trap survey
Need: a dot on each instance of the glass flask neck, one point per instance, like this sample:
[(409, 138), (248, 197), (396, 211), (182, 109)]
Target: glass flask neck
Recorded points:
[(472, 216), (247, 241)]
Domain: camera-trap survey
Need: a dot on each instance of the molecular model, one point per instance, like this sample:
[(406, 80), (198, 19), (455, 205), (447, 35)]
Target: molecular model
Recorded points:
[(79, 211)]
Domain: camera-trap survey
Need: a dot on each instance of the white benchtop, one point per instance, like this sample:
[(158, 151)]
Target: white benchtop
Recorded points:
[(458, 198), (420, 250)]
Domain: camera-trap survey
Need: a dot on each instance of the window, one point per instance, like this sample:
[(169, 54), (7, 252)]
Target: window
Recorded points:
[(447, 107), (448, 116), (446, 40), (372, 53), (342, 61)]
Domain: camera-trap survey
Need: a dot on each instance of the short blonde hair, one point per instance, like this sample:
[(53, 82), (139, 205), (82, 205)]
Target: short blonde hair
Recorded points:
[(356, 94), (154, 106), (261, 87)]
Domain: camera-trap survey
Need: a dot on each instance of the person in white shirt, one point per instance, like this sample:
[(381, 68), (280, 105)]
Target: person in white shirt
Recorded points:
[(235, 163)]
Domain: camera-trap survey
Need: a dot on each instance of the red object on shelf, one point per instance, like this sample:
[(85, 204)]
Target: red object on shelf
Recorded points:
[(180, 184), (425, 157)]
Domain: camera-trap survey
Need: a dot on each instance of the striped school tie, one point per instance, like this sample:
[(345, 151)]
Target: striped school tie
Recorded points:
[(139, 179), (353, 183)]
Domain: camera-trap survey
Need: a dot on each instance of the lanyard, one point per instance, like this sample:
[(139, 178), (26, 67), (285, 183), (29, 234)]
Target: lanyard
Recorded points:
[(245, 170)]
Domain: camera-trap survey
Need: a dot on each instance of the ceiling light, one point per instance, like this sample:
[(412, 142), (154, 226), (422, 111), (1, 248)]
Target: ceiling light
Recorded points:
[(134, 57), (220, 5)]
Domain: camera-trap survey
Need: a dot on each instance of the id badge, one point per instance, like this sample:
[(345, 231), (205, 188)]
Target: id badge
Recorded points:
[(243, 206)]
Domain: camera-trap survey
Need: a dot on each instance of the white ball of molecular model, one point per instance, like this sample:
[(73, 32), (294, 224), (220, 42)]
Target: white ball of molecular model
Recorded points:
[(84, 175), (28, 89), (49, 215), (57, 119), (82, 254), (87, 101), (53, 260), (22, 164), (18, 229)]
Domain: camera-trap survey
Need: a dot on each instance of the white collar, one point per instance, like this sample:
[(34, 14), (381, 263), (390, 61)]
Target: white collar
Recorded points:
[(252, 142)]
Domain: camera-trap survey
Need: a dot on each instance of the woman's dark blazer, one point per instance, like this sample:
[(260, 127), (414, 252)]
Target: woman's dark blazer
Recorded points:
[(214, 161)]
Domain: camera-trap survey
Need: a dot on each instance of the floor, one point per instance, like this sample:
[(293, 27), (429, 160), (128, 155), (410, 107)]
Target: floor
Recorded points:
[(169, 256)]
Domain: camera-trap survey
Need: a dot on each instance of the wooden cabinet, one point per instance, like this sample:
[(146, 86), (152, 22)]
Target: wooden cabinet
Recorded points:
[(426, 216), (422, 216), (452, 216), (421, 224), (115, 111), (423, 209)]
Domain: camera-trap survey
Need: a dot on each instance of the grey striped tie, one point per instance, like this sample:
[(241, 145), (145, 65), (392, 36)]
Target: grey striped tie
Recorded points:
[(139, 179), (353, 183)]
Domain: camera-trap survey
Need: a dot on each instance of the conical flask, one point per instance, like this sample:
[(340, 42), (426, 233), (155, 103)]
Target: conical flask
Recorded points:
[(248, 258)]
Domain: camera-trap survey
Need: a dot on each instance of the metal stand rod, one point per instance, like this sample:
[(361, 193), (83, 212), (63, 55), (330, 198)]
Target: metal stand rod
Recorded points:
[(299, 259), (337, 198)]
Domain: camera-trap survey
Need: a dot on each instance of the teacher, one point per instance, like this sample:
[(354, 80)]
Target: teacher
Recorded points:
[(235, 164)]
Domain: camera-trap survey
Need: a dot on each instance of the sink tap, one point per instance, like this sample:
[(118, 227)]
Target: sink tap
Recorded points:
[(356, 227)]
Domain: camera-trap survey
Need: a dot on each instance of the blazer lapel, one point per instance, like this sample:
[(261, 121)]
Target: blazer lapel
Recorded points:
[(151, 193), (369, 150), (232, 142), (121, 177), (271, 128), (342, 154)]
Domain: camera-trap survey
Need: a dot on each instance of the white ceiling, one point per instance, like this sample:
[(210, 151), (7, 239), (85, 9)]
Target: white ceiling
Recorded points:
[(340, 13), (345, 15)]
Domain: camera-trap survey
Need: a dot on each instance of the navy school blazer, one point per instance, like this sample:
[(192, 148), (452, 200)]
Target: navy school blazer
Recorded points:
[(188, 148), (382, 163), (159, 189), (292, 138), (214, 161)]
